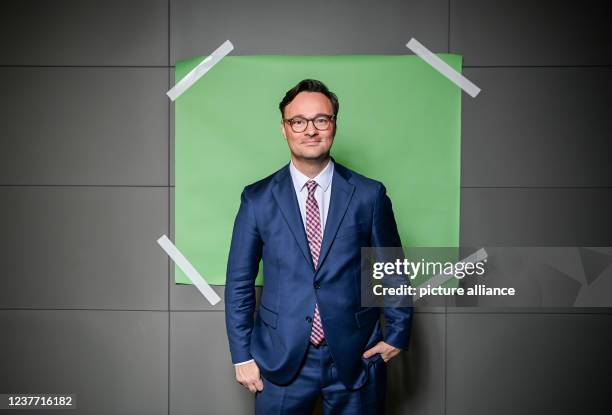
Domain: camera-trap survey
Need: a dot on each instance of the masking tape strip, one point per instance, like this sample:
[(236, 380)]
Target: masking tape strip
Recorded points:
[(199, 71), (188, 269), (440, 279), (442, 67)]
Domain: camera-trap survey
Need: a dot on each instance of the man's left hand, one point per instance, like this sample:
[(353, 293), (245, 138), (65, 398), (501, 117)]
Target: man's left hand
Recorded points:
[(386, 351)]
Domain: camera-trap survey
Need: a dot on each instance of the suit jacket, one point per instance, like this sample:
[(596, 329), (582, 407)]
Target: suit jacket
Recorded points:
[(269, 226)]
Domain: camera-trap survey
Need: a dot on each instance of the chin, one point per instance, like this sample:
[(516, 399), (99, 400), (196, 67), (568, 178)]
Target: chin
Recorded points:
[(313, 156)]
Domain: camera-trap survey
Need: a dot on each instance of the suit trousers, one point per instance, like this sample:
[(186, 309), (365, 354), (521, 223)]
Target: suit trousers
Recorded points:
[(318, 376)]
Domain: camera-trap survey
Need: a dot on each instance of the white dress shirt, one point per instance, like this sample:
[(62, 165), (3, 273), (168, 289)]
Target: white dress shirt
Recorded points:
[(322, 191), (322, 196)]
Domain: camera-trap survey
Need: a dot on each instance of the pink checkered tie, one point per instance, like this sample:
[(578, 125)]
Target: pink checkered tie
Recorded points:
[(315, 236)]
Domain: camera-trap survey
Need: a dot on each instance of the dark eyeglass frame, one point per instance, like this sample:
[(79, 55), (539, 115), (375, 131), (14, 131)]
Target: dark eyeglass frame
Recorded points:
[(330, 118)]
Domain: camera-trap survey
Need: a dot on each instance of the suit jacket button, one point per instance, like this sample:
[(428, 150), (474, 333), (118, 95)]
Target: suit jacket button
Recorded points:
[(309, 319), (317, 285)]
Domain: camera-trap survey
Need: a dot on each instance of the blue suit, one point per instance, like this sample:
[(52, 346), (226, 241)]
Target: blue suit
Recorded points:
[(269, 226)]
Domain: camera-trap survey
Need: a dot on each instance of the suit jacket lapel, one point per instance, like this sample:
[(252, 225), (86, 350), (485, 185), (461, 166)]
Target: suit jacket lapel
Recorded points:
[(341, 194), (284, 194)]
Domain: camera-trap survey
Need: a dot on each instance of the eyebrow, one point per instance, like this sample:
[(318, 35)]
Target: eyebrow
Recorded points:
[(316, 115)]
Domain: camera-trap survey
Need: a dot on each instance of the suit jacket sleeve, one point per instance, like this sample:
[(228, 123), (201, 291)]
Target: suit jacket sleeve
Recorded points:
[(384, 234), (242, 266)]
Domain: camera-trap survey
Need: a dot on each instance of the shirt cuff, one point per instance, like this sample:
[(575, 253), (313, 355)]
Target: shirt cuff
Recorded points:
[(244, 363)]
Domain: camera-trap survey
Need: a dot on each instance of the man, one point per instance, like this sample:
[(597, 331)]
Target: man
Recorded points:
[(308, 222)]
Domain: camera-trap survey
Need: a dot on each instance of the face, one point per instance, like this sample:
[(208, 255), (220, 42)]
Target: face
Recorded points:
[(311, 144)]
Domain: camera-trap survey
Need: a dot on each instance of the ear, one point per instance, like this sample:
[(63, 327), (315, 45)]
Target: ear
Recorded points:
[(282, 127)]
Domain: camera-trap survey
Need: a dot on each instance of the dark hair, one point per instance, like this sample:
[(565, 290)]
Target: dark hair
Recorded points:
[(309, 85)]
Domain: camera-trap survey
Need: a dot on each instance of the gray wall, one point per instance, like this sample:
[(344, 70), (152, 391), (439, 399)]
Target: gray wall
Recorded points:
[(86, 186)]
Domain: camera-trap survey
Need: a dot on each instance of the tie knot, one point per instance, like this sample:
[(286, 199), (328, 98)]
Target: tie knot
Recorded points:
[(311, 184)]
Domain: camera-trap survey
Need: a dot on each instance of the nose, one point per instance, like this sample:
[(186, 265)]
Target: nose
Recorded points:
[(310, 128)]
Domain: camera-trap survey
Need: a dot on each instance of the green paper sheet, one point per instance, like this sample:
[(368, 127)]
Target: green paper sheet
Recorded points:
[(399, 122)]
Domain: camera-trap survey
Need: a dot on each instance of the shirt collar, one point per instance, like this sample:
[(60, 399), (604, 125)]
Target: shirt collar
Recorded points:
[(323, 179)]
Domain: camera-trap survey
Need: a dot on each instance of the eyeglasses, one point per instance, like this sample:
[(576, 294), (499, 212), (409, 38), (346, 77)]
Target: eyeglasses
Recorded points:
[(320, 122)]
